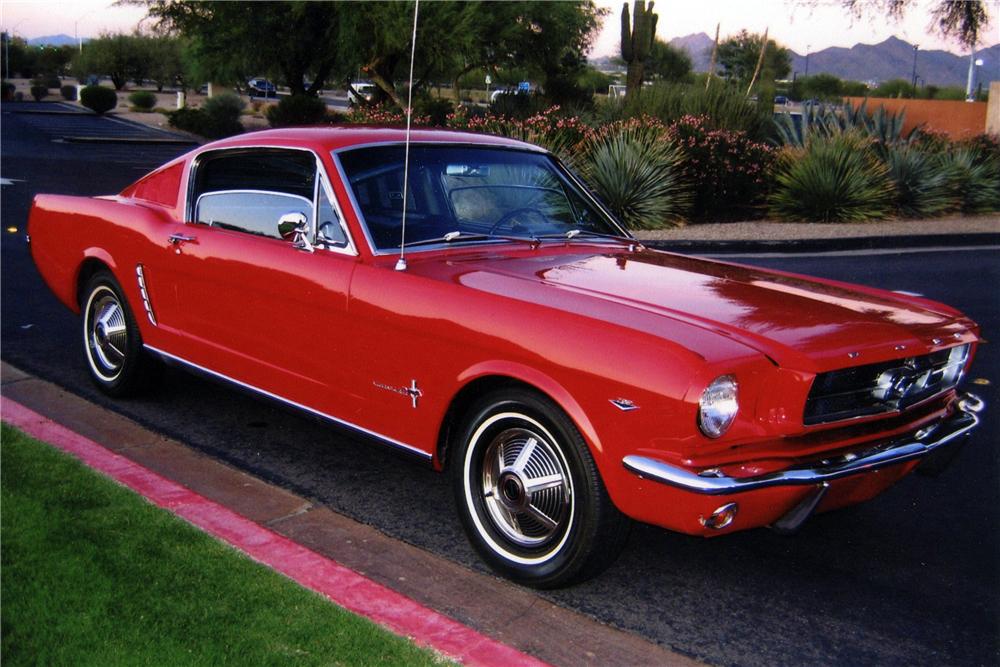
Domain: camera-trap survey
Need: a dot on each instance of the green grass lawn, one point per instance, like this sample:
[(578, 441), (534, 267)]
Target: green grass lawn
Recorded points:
[(94, 575)]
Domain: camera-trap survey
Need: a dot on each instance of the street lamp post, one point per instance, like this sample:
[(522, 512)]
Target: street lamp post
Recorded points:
[(914, 81), (969, 97), (808, 48), (6, 45)]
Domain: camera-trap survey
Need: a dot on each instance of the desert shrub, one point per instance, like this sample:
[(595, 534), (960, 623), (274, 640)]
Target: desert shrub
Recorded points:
[(833, 179), (986, 146), (549, 129), (921, 180), (825, 121), (7, 90), (729, 173), (98, 99), (723, 106), (47, 81), (383, 114), (68, 93), (142, 99), (635, 168), (39, 92), (518, 105), (296, 110), (225, 106), (436, 109), (220, 117), (973, 178)]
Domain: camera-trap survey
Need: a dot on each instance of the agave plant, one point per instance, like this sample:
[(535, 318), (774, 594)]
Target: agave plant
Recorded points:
[(833, 179), (922, 180), (973, 178), (636, 171), (821, 120)]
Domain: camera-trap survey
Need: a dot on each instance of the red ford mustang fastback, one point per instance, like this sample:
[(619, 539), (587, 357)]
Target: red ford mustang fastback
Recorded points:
[(568, 378)]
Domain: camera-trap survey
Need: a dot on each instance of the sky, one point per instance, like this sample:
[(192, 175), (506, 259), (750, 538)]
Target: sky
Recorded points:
[(797, 24)]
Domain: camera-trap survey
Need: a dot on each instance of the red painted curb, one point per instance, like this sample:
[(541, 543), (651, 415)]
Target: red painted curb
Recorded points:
[(341, 585)]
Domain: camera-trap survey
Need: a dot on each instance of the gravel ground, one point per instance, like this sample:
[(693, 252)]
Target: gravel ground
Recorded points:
[(763, 230)]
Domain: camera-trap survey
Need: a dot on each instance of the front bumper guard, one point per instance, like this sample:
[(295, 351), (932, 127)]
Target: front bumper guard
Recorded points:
[(915, 446)]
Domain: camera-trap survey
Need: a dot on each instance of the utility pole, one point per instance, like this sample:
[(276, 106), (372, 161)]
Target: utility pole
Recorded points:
[(914, 82), (808, 48)]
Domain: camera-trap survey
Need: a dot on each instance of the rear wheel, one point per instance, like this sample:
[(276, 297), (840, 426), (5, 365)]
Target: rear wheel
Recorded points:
[(529, 495), (113, 347)]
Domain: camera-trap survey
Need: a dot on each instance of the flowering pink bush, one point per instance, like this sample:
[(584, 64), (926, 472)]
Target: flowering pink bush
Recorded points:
[(730, 173), (382, 115), (560, 134)]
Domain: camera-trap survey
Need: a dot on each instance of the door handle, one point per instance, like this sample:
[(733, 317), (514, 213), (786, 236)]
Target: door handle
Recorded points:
[(177, 239)]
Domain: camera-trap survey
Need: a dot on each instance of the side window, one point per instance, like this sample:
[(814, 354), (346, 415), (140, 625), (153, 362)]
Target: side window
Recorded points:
[(250, 190), (249, 211)]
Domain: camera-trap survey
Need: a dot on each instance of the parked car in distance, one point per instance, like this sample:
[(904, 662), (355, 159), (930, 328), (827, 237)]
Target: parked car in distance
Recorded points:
[(360, 90), (260, 87), (567, 378)]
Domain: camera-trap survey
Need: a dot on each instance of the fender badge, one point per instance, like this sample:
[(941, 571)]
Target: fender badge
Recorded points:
[(412, 391), (624, 404)]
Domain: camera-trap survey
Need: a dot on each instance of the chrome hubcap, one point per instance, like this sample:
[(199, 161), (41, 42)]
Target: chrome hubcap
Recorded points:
[(525, 487), (108, 333)]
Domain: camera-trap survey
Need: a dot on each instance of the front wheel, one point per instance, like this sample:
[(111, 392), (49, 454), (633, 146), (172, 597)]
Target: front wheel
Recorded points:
[(529, 494), (117, 362)]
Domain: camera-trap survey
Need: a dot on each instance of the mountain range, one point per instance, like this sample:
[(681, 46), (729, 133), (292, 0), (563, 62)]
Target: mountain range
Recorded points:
[(890, 59), (55, 40)]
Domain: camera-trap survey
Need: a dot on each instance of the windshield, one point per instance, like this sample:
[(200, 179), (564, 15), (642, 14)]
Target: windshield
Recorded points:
[(466, 194)]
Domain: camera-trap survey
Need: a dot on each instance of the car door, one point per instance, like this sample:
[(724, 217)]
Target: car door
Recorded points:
[(249, 299)]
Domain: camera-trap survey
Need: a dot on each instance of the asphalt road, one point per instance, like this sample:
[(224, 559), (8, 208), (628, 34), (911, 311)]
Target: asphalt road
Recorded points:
[(910, 578)]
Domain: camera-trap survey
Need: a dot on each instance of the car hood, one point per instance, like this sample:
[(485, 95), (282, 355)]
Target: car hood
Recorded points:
[(803, 323)]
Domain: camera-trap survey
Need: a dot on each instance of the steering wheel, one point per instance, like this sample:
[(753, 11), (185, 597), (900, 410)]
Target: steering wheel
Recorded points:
[(510, 215)]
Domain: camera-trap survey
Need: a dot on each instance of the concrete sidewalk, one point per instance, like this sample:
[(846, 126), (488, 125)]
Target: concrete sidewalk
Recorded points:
[(503, 611)]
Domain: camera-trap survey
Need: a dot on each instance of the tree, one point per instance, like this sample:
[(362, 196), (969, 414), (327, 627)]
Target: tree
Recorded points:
[(553, 39), (638, 36), (963, 21), (230, 42), (821, 86), (668, 63), (738, 56), (114, 55), (894, 88), (166, 61)]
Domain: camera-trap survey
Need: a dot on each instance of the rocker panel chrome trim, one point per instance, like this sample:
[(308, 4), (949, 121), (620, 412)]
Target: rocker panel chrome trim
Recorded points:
[(897, 451), (410, 449)]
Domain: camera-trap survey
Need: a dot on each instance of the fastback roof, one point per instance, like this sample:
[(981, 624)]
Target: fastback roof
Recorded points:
[(333, 138)]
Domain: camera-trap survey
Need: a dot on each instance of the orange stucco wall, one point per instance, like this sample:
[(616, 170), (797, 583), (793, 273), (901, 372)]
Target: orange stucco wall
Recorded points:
[(956, 119)]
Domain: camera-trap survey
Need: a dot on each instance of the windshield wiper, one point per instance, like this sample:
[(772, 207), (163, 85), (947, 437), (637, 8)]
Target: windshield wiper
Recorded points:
[(450, 237), (458, 236), (573, 233)]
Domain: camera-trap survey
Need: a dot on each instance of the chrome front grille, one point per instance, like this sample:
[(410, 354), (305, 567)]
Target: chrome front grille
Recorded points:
[(884, 387)]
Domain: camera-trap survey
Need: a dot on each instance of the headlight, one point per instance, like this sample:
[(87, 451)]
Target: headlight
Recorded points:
[(718, 406)]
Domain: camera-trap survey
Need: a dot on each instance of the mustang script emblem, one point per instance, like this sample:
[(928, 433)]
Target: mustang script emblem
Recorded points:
[(412, 391)]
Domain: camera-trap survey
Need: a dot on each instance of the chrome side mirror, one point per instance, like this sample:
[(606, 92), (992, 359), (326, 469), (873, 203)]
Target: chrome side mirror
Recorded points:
[(294, 227)]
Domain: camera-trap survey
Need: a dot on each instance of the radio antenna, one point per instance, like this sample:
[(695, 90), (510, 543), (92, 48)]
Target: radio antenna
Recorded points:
[(401, 262)]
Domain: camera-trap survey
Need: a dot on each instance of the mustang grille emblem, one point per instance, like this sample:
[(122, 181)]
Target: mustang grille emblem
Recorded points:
[(893, 386)]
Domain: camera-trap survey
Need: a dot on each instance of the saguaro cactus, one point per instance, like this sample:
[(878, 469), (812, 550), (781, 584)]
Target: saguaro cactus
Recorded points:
[(637, 42)]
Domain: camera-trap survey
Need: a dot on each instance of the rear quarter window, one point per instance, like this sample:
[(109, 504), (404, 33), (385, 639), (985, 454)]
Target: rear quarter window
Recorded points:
[(162, 187)]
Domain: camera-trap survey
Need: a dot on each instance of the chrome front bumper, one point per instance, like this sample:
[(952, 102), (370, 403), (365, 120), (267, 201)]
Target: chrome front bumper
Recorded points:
[(915, 446)]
